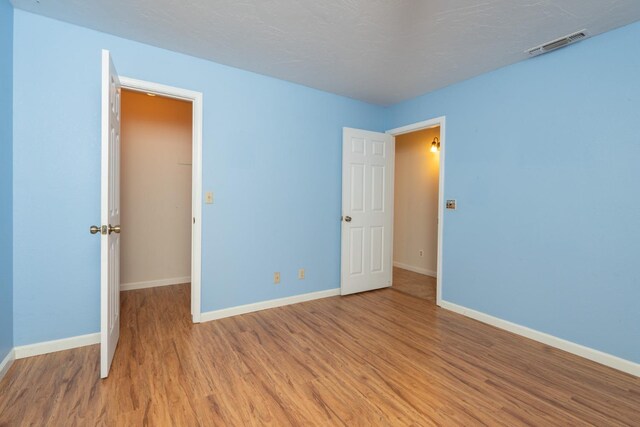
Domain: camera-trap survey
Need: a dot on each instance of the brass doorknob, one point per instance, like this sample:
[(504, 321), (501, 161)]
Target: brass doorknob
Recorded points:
[(347, 218), (114, 228), (94, 229)]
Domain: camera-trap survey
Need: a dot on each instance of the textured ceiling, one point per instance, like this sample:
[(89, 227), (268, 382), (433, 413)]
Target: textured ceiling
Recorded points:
[(380, 51)]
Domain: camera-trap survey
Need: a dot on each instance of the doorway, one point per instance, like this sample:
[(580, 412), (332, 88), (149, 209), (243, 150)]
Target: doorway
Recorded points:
[(368, 163), (415, 228), (155, 191), (109, 229), (188, 167), (419, 207)]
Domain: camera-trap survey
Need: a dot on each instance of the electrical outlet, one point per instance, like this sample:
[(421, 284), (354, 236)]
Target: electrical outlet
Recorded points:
[(421, 252), (301, 274), (276, 277)]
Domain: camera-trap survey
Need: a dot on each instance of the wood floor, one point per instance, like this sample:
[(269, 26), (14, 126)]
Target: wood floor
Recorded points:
[(415, 284), (379, 358)]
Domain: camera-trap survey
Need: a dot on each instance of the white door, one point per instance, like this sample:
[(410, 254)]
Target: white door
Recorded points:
[(110, 216), (367, 210)]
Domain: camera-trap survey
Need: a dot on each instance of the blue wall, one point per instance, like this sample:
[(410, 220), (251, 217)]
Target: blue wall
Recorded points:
[(544, 160), (272, 155), (543, 157), (6, 187)]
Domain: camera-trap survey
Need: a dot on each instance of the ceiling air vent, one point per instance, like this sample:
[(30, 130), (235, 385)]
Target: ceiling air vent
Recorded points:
[(558, 43)]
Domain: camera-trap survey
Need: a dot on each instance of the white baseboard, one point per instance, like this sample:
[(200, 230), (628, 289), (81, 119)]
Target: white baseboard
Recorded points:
[(598, 356), (39, 348), (415, 269), (7, 362), (263, 305), (154, 283)]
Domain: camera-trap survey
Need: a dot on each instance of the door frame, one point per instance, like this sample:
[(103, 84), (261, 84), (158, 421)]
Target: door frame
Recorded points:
[(196, 176), (425, 124)]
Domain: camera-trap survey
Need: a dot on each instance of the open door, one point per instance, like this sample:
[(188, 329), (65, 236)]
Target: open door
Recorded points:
[(110, 216), (367, 210)]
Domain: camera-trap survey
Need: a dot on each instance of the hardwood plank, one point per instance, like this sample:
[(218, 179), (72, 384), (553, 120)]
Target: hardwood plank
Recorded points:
[(387, 357), (417, 285)]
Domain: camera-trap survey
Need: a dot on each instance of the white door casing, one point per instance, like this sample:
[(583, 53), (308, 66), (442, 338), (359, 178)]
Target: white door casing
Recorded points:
[(110, 215), (196, 99), (367, 210)]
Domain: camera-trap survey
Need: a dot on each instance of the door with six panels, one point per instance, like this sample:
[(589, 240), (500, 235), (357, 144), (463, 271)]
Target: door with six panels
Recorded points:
[(367, 210)]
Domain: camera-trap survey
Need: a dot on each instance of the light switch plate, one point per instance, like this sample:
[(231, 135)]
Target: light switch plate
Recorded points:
[(451, 204), (208, 197)]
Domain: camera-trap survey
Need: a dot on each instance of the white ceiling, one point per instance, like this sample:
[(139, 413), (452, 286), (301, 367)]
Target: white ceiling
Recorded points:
[(380, 51)]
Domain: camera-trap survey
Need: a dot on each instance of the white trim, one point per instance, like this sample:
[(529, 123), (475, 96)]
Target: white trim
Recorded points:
[(419, 270), (598, 356), (196, 99), (39, 348), (425, 124), (7, 362), (263, 305), (154, 283), (438, 121), (159, 89)]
